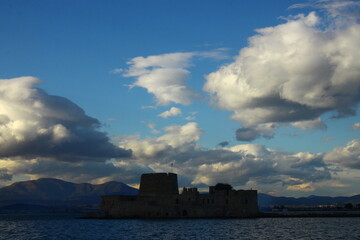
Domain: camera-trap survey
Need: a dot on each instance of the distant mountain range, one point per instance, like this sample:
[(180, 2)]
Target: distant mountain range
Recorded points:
[(50, 193), (266, 201), (59, 193)]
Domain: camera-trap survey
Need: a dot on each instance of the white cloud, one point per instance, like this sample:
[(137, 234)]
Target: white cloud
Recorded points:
[(238, 165), (175, 137), (117, 70), (290, 74), (164, 76), (217, 54), (174, 111), (152, 126), (191, 117), (355, 126), (304, 187), (310, 124), (347, 156)]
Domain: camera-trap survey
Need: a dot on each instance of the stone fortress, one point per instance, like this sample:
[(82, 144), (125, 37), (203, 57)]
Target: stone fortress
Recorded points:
[(159, 198)]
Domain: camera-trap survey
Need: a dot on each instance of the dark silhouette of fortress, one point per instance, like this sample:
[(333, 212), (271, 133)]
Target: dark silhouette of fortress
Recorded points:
[(159, 198)]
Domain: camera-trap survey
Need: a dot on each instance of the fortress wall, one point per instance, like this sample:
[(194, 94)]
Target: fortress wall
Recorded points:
[(159, 198), (158, 184), (140, 206), (232, 204)]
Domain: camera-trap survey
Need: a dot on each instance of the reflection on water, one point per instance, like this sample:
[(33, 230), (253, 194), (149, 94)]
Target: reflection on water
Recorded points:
[(65, 226)]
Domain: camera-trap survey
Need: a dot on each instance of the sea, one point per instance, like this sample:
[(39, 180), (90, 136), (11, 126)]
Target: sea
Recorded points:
[(69, 227)]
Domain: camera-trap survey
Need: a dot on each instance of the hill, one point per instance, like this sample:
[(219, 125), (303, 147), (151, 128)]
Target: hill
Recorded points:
[(50, 193), (266, 201), (55, 192)]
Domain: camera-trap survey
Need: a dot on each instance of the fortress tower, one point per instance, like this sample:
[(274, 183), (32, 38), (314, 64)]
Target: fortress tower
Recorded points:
[(158, 184)]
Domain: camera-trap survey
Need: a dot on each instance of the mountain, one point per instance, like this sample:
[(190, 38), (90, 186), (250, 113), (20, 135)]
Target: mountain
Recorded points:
[(50, 193), (266, 201), (55, 192)]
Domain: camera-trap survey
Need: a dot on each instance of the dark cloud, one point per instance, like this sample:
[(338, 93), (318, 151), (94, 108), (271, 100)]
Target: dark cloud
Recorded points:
[(247, 134), (34, 124), (4, 175), (223, 144)]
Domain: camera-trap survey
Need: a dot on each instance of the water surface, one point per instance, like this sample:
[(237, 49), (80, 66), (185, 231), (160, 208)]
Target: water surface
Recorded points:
[(65, 226)]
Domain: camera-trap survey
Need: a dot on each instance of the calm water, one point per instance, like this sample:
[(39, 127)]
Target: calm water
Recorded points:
[(45, 226)]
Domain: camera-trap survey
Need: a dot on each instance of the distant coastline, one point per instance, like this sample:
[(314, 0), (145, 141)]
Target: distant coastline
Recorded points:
[(310, 214)]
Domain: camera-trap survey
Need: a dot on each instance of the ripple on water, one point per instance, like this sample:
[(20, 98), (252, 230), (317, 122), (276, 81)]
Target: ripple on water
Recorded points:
[(48, 227)]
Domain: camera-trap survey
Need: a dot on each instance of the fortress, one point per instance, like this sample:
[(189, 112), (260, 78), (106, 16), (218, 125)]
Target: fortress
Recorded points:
[(159, 198)]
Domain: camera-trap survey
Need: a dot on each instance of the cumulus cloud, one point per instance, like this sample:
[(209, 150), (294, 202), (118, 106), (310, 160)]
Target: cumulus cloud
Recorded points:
[(174, 111), (291, 73), (347, 156), (35, 124), (243, 164), (175, 137), (164, 76)]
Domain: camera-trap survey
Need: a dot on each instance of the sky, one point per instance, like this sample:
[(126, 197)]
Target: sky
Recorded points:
[(256, 93)]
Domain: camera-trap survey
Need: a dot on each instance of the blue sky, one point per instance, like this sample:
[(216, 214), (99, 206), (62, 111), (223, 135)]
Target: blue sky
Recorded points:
[(144, 84)]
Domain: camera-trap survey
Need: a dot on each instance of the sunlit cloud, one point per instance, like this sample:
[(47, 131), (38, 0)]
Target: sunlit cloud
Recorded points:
[(304, 187), (177, 150), (165, 76), (290, 74), (347, 156), (42, 131), (174, 111)]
